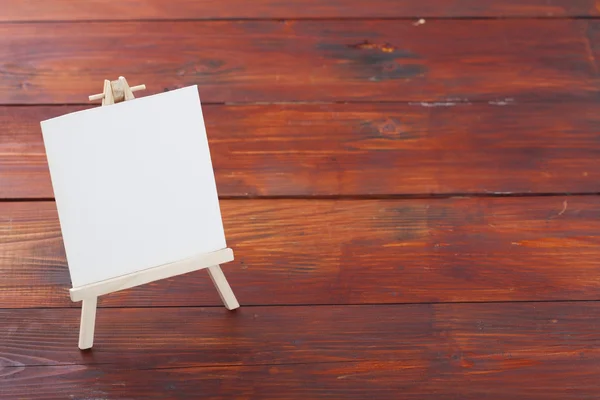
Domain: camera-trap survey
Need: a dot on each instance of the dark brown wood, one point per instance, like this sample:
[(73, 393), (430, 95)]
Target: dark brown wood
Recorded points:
[(562, 379), (23, 163), (383, 106), (466, 351), (242, 61), (347, 252), (355, 149), (95, 10)]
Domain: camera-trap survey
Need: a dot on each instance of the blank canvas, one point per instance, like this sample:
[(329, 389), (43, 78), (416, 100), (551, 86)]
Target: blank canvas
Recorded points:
[(134, 185)]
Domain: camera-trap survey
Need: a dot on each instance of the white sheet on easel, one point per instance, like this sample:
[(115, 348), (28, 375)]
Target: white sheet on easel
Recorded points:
[(134, 185)]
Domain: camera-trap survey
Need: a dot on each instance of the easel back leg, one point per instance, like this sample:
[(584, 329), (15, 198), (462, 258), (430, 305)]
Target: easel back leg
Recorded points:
[(225, 292)]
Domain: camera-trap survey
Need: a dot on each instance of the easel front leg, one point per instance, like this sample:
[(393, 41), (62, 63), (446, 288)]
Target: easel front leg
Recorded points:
[(88, 322), (218, 278)]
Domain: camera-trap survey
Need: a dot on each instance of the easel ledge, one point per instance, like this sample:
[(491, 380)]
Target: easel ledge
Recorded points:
[(152, 274)]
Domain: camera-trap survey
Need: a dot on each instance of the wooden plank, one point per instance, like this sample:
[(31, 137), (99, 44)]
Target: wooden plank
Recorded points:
[(23, 164), (562, 380), (466, 351), (280, 150), (346, 252), (268, 61), (98, 10)]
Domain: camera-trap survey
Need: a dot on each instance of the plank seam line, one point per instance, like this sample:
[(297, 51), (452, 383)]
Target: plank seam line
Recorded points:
[(360, 197), (318, 19), (357, 305), (417, 196), (430, 103)]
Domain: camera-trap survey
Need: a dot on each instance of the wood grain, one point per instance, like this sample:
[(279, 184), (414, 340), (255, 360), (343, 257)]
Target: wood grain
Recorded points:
[(467, 351), (356, 149), (102, 10), (554, 380), (346, 252), (381, 107), (274, 61)]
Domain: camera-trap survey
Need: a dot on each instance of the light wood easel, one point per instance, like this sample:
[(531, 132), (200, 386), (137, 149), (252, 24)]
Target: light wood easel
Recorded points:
[(116, 92)]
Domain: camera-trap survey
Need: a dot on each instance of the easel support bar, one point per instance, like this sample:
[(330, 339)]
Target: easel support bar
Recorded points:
[(152, 274)]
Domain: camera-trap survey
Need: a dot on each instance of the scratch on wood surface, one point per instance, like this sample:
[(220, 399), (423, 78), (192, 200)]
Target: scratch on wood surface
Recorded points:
[(503, 102), (565, 205), (590, 52), (439, 103)]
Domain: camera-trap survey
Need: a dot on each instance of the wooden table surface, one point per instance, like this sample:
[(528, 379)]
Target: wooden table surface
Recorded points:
[(413, 204)]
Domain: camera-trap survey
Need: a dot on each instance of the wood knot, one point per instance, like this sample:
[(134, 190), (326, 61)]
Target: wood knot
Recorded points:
[(389, 127)]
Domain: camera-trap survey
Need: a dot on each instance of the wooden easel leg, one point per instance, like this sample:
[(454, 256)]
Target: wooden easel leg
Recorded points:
[(218, 278), (88, 322)]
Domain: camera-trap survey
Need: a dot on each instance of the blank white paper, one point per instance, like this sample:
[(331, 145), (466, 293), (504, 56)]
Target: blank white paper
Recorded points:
[(134, 185)]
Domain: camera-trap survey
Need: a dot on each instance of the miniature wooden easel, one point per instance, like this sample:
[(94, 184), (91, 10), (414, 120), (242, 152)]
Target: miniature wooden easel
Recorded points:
[(116, 92)]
